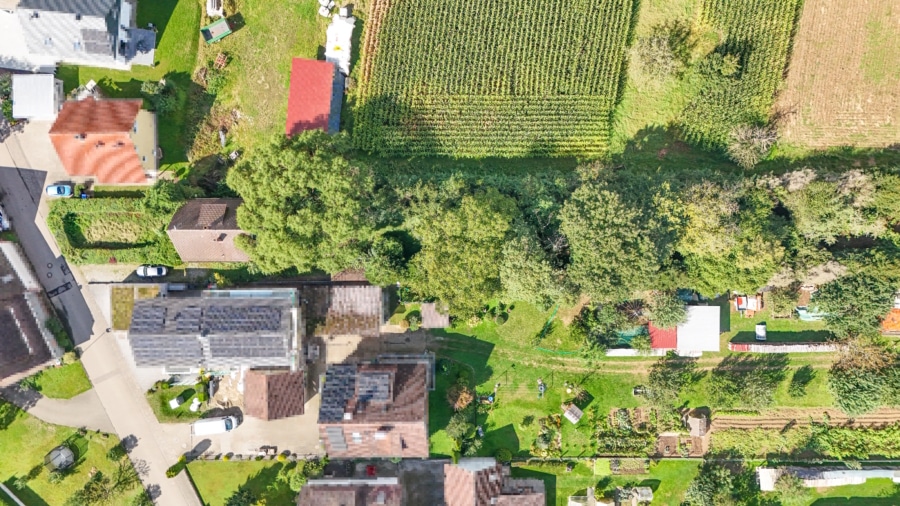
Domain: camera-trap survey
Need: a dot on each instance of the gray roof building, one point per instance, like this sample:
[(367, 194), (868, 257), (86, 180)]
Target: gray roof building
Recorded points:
[(36, 96), (222, 329), (86, 32)]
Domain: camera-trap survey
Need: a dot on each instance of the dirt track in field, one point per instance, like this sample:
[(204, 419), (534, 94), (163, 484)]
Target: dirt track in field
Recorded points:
[(782, 418), (843, 83)]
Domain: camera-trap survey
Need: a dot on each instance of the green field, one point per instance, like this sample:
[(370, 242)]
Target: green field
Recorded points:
[(668, 479), (107, 230), (458, 78)]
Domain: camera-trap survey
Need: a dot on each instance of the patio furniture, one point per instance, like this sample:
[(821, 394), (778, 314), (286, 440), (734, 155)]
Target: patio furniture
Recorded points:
[(174, 403)]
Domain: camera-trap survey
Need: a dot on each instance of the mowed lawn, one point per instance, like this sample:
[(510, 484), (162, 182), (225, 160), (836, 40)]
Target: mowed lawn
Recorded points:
[(178, 25), (215, 481), (25, 440), (63, 382), (669, 479)]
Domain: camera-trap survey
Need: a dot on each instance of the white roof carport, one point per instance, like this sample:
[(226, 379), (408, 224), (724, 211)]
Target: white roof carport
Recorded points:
[(34, 96), (701, 330)]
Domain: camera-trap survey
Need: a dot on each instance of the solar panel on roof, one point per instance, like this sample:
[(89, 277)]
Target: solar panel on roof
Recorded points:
[(373, 386), (340, 383), (147, 318), (188, 319), (221, 319)]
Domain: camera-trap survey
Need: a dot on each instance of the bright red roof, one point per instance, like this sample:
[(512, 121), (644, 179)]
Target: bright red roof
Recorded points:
[(309, 102), (663, 339)]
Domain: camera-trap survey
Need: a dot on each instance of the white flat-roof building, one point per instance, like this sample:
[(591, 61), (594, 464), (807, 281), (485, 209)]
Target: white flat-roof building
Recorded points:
[(36, 96), (701, 330)]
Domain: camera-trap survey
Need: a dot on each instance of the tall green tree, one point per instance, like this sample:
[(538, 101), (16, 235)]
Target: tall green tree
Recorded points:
[(668, 378), (666, 310), (853, 305), (305, 204), (616, 249), (732, 240), (462, 245), (526, 273), (823, 211)]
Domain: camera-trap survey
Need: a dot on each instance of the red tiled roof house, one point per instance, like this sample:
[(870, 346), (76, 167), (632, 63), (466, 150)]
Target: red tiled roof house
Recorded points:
[(314, 100), (110, 141), (351, 492), (271, 394), (374, 411)]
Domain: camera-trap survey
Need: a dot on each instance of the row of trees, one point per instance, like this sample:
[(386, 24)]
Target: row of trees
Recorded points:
[(612, 235)]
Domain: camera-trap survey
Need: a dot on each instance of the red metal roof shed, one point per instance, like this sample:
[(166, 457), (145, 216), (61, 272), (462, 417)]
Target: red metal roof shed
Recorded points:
[(309, 102), (663, 339)]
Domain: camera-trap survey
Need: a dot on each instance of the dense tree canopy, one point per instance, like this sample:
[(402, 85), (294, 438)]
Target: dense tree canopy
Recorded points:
[(461, 248), (305, 205), (616, 249), (853, 305)]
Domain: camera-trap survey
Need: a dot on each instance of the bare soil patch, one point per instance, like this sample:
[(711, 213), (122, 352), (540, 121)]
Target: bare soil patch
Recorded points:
[(843, 84), (801, 417)]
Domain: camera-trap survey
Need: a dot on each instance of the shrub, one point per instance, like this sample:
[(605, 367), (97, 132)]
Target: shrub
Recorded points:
[(413, 320), (666, 310), (56, 327), (69, 357), (503, 455), (748, 144), (282, 457), (56, 477), (226, 458), (116, 453), (501, 318), (459, 396)]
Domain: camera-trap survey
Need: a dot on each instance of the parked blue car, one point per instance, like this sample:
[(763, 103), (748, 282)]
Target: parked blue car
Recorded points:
[(59, 190)]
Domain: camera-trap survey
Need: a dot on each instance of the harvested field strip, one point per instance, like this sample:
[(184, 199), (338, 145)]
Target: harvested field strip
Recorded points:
[(802, 417), (841, 87)]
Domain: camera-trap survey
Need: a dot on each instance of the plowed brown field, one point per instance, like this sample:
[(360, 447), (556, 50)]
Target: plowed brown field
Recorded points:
[(843, 84), (778, 419)]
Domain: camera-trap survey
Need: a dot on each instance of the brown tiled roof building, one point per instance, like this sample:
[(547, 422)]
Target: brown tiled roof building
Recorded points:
[(113, 141), (270, 394), (484, 482), (25, 343), (376, 492), (374, 410), (203, 230)]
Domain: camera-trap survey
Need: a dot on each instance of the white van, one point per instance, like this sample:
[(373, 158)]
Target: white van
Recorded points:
[(209, 426)]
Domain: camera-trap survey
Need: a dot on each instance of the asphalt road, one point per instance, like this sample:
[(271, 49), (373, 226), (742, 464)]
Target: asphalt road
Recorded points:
[(21, 195)]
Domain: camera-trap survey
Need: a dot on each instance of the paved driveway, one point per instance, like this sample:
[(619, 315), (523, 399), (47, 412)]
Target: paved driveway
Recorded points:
[(119, 394)]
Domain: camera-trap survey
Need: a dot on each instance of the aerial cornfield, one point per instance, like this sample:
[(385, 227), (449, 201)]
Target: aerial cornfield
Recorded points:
[(505, 78), (758, 33)]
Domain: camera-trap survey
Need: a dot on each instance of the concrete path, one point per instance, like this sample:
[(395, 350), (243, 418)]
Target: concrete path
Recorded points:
[(83, 410), (119, 395)]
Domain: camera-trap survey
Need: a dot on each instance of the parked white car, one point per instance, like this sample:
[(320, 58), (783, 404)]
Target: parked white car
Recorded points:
[(209, 426), (151, 271)]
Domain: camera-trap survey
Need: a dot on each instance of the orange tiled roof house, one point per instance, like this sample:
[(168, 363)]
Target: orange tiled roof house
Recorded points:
[(109, 141), (375, 410)]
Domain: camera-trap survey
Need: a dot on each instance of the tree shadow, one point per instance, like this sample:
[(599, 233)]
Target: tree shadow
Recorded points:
[(158, 12), (8, 414), (265, 486), (25, 494), (504, 437), (385, 126)]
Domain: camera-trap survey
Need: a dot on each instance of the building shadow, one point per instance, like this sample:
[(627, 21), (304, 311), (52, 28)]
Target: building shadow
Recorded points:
[(548, 479), (25, 494)]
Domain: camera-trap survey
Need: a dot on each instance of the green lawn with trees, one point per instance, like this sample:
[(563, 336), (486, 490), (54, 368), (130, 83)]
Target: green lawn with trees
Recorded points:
[(102, 474)]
